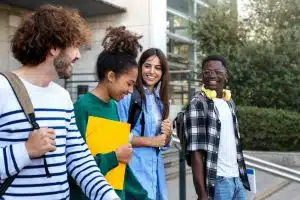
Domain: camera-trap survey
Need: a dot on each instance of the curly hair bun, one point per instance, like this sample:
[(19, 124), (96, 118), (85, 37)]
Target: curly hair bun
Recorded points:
[(120, 40)]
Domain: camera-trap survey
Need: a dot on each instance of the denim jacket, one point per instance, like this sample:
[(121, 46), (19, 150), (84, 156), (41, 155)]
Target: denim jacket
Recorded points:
[(147, 163)]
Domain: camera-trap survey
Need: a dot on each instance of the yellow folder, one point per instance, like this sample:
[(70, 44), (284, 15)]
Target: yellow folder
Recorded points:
[(104, 136)]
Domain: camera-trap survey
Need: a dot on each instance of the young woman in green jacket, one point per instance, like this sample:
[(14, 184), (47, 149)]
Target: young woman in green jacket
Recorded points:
[(117, 73)]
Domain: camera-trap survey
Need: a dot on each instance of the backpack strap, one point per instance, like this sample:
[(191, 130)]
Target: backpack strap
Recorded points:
[(201, 97), (135, 109), (143, 124), (22, 97), (27, 107)]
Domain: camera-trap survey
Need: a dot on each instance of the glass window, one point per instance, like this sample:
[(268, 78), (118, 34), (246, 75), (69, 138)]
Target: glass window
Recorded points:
[(181, 51), (183, 6), (178, 25), (200, 9)]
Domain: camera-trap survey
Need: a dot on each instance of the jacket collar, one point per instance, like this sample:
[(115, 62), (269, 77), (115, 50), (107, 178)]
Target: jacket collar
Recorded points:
[(155, 91)]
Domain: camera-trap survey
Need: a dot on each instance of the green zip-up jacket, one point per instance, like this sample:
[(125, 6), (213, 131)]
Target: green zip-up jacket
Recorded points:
[(90, 105)]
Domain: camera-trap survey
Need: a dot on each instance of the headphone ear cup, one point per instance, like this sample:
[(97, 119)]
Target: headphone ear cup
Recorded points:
[(226, 95), (210, 94)]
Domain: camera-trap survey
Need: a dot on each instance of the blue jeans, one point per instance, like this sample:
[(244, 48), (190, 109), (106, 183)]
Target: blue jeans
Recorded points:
[(229, 189)]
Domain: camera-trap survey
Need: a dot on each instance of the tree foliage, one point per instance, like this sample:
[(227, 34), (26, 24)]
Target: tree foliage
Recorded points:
[(262, 49)]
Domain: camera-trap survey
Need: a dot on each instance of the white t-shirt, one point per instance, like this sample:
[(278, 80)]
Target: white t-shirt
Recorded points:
[(227, 165)]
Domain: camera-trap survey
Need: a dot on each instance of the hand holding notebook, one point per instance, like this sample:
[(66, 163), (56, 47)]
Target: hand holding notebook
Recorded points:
[(104, 136)]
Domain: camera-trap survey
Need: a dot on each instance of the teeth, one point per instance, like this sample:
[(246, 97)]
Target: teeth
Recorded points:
[(150, 76)]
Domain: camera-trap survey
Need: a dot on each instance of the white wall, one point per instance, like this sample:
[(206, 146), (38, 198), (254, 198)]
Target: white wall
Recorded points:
[(145, 17), (9, 20)]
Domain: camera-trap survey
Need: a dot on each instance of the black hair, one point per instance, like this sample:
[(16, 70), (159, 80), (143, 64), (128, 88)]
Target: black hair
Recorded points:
[(120, 51), (214, 57)]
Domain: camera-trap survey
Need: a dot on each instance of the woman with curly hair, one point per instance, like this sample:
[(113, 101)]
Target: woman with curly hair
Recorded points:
[(117, 72)]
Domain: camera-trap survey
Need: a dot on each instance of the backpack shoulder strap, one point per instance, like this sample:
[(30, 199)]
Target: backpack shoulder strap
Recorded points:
[(22, 97), (26, 105), (135, 109), (201, 97)]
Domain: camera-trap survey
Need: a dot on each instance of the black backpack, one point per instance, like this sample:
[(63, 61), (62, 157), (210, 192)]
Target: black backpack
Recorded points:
[(179, 127), (135, 109)]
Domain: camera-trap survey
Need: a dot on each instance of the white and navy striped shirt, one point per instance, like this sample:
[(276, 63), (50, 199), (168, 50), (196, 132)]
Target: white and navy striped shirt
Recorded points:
[(54, 109)]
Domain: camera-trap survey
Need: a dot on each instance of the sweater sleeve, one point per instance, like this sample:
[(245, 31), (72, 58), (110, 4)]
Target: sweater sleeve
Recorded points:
[(83, 168), (81, 117), (106, 162), (13, 157)]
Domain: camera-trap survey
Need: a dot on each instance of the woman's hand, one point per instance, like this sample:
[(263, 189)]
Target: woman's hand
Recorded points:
[(166, 129), (159, 141), (124, 153)]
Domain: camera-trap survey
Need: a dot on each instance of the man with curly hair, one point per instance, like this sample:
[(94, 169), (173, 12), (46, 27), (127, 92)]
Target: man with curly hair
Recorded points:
[(47, 45)]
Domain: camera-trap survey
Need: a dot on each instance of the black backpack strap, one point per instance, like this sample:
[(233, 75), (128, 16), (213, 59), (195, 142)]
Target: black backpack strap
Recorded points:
[(143, 124), (201, 97), (27, 107), (180, 127), (135, 110)]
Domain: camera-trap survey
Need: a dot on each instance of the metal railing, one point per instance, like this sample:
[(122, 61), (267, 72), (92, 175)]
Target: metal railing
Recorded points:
[(80, 83), (257, 163), (273, 168)]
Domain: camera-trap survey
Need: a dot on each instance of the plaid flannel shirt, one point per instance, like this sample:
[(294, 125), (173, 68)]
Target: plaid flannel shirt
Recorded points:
[(203, 129)]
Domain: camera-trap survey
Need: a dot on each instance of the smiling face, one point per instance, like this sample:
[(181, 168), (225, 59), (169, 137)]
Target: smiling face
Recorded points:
[(151, 72), (214, 75), (64, 61), (119, 86)]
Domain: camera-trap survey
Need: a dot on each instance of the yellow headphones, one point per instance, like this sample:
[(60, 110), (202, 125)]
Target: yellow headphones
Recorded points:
[(211, 94)]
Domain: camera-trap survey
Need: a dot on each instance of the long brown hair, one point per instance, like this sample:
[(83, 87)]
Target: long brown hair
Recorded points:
[(165, 78)]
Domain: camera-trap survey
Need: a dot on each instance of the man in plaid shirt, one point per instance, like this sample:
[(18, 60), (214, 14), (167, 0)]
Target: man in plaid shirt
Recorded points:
[(213, 138)]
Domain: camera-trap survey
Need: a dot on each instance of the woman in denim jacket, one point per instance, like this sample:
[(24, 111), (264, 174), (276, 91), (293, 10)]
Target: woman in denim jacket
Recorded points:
[(152, 83)]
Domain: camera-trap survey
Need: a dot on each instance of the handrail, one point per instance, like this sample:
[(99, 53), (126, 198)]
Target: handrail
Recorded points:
[(260, 164), (274, 171), (257, 163), (292, 171)]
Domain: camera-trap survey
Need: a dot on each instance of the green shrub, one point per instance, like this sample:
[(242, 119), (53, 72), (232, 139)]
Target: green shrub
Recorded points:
[(269, 129), (262, 50)]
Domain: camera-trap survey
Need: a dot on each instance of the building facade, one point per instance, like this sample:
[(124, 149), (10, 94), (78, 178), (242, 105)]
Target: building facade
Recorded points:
[(163, 24)]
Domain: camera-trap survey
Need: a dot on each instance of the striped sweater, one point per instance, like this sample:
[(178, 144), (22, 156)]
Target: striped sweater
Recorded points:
[(54, 109)]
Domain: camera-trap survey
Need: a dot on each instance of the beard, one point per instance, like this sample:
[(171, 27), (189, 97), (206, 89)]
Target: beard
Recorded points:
[(63, 66)]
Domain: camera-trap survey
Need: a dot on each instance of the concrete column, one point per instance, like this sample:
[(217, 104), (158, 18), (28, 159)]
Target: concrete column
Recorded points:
[(158, 24)]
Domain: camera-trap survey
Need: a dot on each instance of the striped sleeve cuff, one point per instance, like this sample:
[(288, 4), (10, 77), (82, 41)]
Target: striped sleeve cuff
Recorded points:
[(21, 155), (111, 194)]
